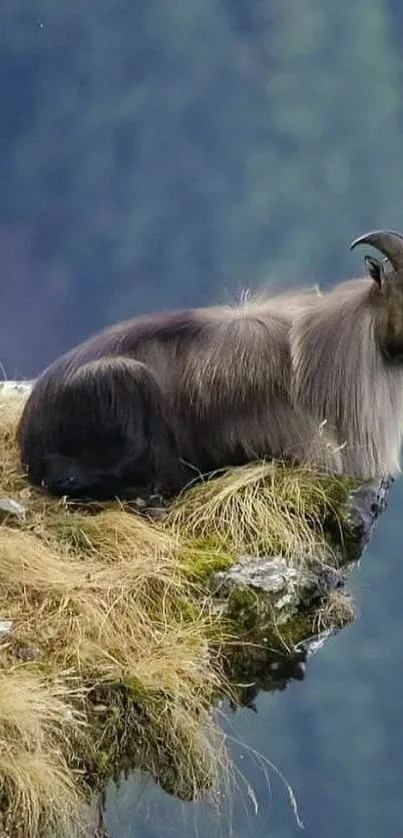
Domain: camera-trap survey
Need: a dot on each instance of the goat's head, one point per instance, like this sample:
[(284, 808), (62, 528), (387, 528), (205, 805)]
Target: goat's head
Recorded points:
[(387, 276)]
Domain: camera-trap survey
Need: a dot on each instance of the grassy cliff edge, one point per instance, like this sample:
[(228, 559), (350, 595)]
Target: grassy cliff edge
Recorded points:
[(118, 633)]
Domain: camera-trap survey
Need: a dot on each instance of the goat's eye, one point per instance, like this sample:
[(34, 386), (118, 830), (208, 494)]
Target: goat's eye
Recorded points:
[(375, 269)]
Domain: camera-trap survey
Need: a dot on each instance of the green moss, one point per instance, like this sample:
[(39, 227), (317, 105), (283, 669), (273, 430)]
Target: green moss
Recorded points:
[(337, 489), (201, 557), (324, 501), (340, 530), (253, 619), (250, 613), (135, 689)]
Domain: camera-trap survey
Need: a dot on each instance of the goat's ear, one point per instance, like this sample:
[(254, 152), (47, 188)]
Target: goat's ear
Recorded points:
[(375, 270)]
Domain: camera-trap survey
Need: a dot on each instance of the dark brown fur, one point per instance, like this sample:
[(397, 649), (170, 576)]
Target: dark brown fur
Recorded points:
[(153, 402)]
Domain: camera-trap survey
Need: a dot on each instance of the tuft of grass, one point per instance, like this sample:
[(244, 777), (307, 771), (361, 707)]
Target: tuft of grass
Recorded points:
[(260, 509), (38, 791), (114, 533), (336, 612), (32, 710), (11, 479), (41, 797)]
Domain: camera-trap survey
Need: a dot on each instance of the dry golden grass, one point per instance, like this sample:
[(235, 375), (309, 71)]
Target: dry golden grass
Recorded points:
[(113, 535), (38, 791), (10, 478), (108, 619), (32, 711), (260, 509)]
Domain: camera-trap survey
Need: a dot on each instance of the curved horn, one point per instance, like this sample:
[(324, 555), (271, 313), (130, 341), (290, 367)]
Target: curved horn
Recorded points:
[(388, 242)]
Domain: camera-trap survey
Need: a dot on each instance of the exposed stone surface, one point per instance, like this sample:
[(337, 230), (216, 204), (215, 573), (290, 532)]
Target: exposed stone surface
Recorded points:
[(290, 586), (15, 387), (5, 628), (274, 576), (366, 504), (9, 506)]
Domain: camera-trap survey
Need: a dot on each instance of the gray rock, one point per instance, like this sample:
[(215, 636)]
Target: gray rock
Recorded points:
[(291, 588), (366, 504), (9, 506), (12, 388), (5, 628)]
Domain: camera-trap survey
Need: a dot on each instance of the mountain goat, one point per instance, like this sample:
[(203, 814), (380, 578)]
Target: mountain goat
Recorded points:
[(154, 401)]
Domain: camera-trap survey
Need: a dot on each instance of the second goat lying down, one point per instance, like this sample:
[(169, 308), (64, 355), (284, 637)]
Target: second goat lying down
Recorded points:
[(151, 402)]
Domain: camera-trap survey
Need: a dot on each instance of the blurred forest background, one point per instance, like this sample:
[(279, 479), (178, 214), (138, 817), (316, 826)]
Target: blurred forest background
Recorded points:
[(165, 153)]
